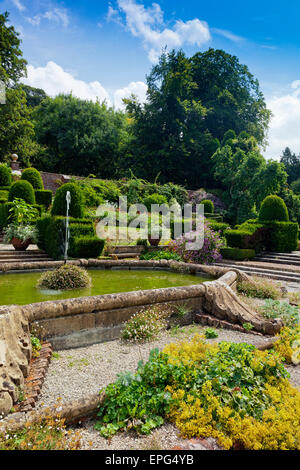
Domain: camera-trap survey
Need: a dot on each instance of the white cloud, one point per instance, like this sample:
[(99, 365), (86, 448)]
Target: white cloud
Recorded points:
[(59, 15), (148, 24), (285, 125), (138, 89), (113, 16), (227, 34), (54, 80), (19, 5)]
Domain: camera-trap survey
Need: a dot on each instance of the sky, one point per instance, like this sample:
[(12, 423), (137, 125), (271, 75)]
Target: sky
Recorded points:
[(104, 49)]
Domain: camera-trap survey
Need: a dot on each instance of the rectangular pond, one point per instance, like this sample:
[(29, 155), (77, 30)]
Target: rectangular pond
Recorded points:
[(20, 289)]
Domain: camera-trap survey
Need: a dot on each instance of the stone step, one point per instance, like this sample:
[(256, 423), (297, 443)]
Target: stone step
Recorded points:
[(20, 255), (124, 255), (137, 249), (24, 260), (272, 274), (290, 256), (267, 259)]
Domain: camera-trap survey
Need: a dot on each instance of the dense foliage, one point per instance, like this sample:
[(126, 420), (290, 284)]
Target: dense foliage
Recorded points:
[(5, 176), (65, 278), (232, 392), (34, 177), (22, 190), (273, 208), (60, 204), (191, 103)]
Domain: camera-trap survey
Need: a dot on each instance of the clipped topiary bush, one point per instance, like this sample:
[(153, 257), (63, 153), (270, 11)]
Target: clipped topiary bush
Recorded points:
[(33, 176), (43, 197), (60, 204), (22, 189), (273, 208), (5, 175), (88, 247), (237, 254), (283, 236), (65, 278), (154, 199), (209, 207)]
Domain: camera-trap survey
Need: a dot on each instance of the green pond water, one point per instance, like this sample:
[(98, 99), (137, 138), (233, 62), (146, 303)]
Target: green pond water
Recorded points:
[(21, 288)]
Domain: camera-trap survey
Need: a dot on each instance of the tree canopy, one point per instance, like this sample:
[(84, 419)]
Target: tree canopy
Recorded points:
[(191, 103), (248, 177), (80, 137), (12, 63)]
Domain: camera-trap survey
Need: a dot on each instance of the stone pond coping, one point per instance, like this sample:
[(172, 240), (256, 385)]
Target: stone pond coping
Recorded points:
[(84, 321), (87, 320)]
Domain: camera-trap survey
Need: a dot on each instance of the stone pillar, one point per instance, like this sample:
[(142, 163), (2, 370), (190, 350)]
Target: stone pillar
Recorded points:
[(15, 165)]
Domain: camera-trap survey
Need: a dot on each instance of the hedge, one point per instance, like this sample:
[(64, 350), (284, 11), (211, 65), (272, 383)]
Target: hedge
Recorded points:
[(218, 226), (4, 188), (154, 199), (59, 207), (43, 197), (209, 207), (5, 175), (273, 208), (3, 195), (248, 236), (52, 231), (237, 254), (283, 236), (33, 177), (88, 247), (22, 189)]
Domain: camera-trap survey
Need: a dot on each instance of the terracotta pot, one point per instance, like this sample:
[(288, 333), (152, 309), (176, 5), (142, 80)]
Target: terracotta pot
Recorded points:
[(153, 241), (19, 245)]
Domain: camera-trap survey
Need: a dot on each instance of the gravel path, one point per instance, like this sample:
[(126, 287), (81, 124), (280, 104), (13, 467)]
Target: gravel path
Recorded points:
[(80, 372)]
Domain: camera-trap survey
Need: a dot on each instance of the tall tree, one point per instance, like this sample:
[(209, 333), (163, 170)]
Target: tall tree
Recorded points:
[(291, 162), (34, 96), (12, 63), (81, 137), (191, 103), (248, 177)]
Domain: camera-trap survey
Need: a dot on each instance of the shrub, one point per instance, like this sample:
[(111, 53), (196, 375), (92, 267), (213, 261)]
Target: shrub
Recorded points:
[(145, 325), (33, 177), (218, 226), (60, 204), (90, 196), (3, 195), (231, 392), (237, 254), (209, 253), (107, 190), (210, 333), (42, 225), (142, 242), (65, 278), (283, 236), (46, 434), (260, 288), (283, 310), (287, 344), (5, 176), (273, 208), (154, 199), (162, 254), (22, 189), (4, 214), (43, 197), (209, 207), (248, 236), (87, 247)]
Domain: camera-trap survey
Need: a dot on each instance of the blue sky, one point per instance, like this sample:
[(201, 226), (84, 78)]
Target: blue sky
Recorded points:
[(105, 48)]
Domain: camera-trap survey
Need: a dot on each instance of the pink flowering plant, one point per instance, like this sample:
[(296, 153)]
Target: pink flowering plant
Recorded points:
[(208, 254)]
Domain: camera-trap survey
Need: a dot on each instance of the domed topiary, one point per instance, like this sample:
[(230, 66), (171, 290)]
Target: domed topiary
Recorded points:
[(33, 176), (209, 207), (60, 204), (273, 208), (65, 278), (5, 176), (22, 189)]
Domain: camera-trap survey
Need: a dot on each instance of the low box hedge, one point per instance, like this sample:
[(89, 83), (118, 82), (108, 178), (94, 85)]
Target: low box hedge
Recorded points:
[(283, 236), (237, 254), (88, 247), (43, 197)]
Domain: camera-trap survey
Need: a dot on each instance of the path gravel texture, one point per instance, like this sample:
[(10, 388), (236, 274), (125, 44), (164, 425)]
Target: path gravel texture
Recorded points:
[(80, 372)]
